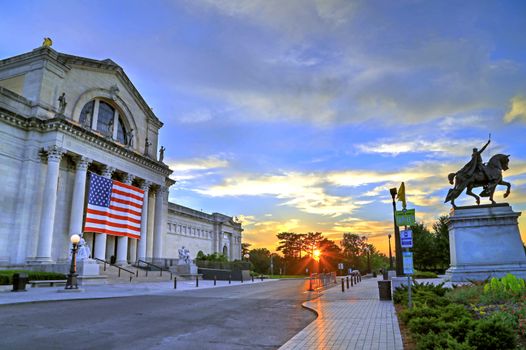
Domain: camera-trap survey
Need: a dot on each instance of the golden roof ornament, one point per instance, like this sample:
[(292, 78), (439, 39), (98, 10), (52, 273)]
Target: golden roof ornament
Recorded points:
[(47, 42)]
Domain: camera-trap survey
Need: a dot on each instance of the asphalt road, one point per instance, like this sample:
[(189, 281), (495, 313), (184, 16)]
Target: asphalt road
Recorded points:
[(251, 316)]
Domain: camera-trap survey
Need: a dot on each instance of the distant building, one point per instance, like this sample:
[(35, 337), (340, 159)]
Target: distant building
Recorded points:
[(63, 116)]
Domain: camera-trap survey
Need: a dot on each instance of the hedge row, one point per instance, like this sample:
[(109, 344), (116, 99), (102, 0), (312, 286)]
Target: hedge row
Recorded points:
[(6, 276)]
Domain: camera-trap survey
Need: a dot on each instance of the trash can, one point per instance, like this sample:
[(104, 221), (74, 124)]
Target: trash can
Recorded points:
[(19, 282), (384, 288)]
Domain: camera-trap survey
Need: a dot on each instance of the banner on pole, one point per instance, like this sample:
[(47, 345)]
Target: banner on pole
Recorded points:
[(405, 217), (406, 238), (408, 262)]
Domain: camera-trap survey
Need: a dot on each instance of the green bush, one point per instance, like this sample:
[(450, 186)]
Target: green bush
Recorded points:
[(499, 290), (422, 294), (4, 279), (465, 294), (434, 341), (494, 332), (6, 276), (424, 274)]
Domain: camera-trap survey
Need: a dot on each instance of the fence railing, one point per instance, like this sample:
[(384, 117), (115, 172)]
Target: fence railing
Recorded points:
[(118, 267), (150, 265)]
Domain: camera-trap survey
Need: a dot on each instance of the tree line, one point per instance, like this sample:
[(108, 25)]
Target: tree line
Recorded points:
[(430, 252)]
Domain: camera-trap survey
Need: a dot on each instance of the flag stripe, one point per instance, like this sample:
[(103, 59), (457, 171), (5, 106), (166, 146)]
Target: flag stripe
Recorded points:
[(119, 219), (113, 208), (113, 233), (113, 224)]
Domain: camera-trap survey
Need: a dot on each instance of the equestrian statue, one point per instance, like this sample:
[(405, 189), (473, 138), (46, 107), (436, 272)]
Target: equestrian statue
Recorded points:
[(477, 174)]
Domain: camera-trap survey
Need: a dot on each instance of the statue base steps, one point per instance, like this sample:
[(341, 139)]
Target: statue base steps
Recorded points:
[(485, 242), (184, 269)]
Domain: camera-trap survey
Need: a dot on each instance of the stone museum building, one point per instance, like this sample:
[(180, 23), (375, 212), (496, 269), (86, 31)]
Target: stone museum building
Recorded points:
[(63, 117)]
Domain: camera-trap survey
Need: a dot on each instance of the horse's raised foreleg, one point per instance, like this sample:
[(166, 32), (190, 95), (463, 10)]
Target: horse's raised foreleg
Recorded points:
[(468, 192), (508, 185)]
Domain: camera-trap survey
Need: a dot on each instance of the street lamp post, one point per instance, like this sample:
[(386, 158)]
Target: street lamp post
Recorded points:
[(398, 246), (71, 282), (390, 254), (368, 259)]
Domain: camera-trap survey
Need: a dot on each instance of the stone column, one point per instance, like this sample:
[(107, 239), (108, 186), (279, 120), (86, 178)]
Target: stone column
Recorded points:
[(141, 250), (100, 240), (79, 189), (49, 202), (159, 222), (122, 246)]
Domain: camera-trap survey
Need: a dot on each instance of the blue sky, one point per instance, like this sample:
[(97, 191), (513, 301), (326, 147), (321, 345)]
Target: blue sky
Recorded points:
[(300, 115)]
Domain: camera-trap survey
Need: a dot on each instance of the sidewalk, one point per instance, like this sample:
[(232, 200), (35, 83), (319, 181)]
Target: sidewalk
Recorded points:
[(110, 290), (354, 319)]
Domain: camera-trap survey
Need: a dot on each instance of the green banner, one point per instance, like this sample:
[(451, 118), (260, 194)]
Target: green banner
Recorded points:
[(405, 217)]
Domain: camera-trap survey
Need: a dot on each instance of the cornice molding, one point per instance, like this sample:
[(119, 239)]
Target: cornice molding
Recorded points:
[(92, 138)]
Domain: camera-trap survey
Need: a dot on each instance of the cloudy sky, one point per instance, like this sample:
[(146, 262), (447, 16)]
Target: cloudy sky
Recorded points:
[(299, 115)]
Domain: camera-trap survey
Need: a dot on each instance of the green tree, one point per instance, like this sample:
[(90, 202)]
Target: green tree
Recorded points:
[(311, 241), (260, 258), (441, 233), (353, 249), (245, 247), (423, 247)]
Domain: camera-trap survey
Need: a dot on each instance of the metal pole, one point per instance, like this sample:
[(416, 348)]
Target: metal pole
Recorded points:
[(229, 279), (197, 281), (347, 282), (215, 280), (398, 246), (343, 286), (409, 299), (175, 282), (390, 254)]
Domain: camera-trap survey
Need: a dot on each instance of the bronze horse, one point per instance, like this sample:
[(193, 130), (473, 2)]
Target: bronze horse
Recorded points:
[(488, 180)]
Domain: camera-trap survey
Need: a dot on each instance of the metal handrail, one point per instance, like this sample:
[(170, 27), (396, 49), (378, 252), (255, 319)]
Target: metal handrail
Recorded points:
[(120, 268), (156, 266)]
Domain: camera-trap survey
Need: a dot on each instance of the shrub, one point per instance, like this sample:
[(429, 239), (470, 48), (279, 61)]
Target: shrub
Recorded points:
[(6, 276), (424, 274), (494, 332), (465, 294), (500, 290), (422, 294), (440, 342)]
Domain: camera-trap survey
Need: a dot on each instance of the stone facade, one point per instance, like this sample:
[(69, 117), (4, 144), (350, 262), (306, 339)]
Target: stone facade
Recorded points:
[(49, 146)]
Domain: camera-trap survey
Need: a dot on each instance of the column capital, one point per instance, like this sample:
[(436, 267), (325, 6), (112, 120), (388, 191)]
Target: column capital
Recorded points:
[(83, 163), (107, 171), (128, 179), (54, 153), (146, 185), (161, 190)]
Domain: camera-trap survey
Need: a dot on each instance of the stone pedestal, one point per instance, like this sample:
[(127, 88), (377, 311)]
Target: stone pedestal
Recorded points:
[(485, 242), (184, 269)]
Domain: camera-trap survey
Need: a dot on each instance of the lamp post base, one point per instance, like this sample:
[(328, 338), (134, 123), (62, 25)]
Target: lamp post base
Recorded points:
[(71, 282)]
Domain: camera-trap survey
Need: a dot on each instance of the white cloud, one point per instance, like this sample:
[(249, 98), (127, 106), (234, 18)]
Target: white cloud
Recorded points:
[(517, 109)]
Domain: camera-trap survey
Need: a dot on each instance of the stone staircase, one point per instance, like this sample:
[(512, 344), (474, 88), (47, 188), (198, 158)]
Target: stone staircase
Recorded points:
[(112, 273)]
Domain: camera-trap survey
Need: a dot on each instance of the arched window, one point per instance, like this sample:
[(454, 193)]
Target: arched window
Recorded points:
[(225, 251), (101, 116)]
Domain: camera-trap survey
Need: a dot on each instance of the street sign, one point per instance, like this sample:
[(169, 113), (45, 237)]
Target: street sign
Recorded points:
[(406, 238), (340, 266), (408, 262), (405, 217)]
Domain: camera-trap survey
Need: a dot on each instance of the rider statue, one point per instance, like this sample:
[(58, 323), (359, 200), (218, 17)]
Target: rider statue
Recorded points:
[(478, 174), (475, 164)]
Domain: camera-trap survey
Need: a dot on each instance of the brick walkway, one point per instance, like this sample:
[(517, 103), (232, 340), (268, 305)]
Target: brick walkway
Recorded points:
[(355, 319)]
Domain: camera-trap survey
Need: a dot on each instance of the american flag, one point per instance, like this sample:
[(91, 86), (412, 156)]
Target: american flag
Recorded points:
[(113, 208)]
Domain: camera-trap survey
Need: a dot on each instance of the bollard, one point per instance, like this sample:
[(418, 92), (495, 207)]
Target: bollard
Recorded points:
[(261, 277), (310, 285), (215, 280), (347, 282), (175, 282), (241, 277), (197, 281), (352, 281), (343, 286), (252, 278), (229, 279)]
